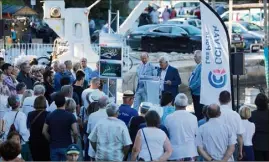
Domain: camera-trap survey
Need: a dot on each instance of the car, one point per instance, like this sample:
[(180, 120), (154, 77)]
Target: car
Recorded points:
[(186, 6), (251, 42), (186, 21), (256, 18), (252, 28), (168, 38), (237, 44), (134, 37)]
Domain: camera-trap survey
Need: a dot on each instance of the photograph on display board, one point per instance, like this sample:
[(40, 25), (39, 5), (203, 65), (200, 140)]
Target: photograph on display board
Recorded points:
[(111, 53), (110, 69)]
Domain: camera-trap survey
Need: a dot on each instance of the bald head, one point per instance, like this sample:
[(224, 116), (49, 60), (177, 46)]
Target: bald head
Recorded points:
[(213, 111), (197, 56)]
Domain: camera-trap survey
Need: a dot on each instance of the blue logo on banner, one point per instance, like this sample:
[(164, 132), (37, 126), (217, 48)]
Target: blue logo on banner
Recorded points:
[(217, 78)]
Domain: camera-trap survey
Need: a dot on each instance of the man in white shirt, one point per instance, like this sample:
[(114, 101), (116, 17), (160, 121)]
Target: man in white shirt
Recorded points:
[(67, 91), (233, 120), (215, 140), (110, 138), (169, 77), (28, 104), (94, 118), (17, 118), (95, 83), (182, 127)]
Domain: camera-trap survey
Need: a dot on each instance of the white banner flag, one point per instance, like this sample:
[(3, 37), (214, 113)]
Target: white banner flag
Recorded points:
[(215, 75)]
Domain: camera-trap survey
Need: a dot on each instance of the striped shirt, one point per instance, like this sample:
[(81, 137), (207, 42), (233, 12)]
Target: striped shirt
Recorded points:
[(110, 135)]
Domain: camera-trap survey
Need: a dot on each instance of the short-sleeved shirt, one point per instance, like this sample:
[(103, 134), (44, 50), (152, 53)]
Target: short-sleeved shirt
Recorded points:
[(126, 113), (111, 135), (215, 137), (182, 127), (232, 119), (60, 122)]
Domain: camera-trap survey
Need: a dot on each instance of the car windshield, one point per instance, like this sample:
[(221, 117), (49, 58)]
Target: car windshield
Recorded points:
[(191, 30), (237, 29), (252, 27)]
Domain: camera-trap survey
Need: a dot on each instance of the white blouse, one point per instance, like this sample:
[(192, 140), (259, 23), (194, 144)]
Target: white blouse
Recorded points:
[(155, 138)]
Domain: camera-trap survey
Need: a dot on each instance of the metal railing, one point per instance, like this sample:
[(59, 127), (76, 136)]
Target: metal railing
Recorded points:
[(14, 50)]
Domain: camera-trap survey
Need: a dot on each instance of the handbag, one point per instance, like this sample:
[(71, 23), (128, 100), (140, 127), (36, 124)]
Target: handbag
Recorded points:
[(141, 159), (36, 117)]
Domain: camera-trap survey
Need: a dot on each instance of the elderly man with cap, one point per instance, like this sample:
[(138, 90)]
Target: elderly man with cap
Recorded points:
[(110, 138), (72, 153), (182, 127), (144, 69), (137, 120), (215, 140), (126, 112)]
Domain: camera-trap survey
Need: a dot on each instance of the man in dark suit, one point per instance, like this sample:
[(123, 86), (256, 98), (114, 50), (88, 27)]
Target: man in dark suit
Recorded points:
[(169, 77)]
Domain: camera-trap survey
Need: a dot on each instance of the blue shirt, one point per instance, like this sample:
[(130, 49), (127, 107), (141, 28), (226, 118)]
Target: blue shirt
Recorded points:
[(201, 122), (57, 80), (166, 111), (195, 80), (60, 126), (88, 73), (126, 113)]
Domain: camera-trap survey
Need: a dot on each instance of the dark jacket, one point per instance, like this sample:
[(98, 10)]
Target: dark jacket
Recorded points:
[(29, 82), (172, 75), (261, 137)]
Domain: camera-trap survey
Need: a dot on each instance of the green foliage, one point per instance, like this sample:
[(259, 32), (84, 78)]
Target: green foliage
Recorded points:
[(13, 2)]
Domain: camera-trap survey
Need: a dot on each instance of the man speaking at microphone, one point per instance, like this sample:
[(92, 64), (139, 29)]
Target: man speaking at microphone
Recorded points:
[(144, 69), (169, 77)]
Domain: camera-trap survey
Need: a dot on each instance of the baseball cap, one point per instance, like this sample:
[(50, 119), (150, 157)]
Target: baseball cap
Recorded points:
[(73, 149)]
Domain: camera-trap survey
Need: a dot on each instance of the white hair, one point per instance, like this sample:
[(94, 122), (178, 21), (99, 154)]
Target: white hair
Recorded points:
[(198, 53), (112, 109), (39, 90), (164, 59), (181, 100), (144, 54), (103, 101)]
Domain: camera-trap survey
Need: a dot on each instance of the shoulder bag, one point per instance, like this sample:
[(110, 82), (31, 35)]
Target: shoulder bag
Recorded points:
[(140, 159)]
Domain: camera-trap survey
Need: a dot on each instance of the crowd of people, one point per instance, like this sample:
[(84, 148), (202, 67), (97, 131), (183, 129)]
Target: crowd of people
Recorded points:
[(152, 15), (62, 113)]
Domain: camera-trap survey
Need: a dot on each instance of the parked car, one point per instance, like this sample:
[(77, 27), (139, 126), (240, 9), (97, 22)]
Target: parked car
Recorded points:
[(167, 38), (252, 28), (251, 42), (186, 6), (237, 44), (134, 37), (186, 21)]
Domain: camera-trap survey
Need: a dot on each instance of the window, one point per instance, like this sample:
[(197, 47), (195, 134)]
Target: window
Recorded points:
[(252, 27), (237, 29), (191, 30), (192, 22), (162, 30), (178, 31)]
